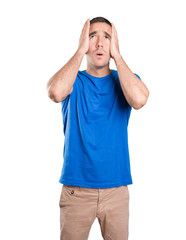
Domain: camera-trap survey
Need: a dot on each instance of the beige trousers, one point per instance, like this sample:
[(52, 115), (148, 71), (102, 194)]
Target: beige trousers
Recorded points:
[(79, 206)]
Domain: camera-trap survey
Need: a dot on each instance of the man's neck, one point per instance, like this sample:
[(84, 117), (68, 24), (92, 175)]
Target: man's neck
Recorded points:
[(98, 72)]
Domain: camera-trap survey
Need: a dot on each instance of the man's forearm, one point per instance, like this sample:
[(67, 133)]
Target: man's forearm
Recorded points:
[(134, 90), (61, 83)]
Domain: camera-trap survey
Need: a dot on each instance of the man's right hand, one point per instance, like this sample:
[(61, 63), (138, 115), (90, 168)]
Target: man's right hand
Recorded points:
[(84, 38)]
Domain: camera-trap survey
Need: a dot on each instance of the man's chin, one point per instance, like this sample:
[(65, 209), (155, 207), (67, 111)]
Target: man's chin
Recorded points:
[(101, 64)]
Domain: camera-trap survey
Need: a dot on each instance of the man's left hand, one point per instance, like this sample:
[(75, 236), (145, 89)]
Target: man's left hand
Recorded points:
[(114, 47)]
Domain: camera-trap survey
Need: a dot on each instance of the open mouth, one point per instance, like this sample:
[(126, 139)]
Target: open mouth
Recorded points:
[(99, 54)]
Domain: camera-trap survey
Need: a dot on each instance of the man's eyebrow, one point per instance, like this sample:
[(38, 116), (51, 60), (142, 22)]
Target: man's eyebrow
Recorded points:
[(92, 33), (106, 33)]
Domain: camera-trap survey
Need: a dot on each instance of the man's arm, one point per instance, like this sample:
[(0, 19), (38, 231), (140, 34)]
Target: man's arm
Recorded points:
[(134, 90), (60, 85)]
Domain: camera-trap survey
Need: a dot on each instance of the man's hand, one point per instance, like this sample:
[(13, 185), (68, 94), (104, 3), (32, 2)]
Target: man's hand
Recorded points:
[(114, 48), (84, 38)]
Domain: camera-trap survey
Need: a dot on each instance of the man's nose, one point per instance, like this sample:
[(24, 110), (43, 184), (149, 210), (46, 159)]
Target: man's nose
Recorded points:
[(99, 42)]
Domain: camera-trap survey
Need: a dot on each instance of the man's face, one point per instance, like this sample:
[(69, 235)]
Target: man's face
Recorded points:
[(98, 54)]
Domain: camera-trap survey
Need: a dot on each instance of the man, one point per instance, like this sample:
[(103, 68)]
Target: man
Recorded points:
[(96, 106)]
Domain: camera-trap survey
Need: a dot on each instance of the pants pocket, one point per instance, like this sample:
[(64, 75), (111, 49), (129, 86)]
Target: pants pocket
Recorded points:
[(63, 196)]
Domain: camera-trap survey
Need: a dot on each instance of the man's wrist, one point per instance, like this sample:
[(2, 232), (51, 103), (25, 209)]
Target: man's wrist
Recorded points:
[(81, 52), (117, 57)]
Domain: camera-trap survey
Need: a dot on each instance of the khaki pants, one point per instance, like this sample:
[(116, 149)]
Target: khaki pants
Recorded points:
[(79, 206)]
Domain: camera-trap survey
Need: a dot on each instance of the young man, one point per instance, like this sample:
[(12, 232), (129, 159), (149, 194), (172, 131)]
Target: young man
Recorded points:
[(96, 106)]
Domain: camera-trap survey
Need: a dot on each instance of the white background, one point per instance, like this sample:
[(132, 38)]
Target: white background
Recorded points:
[(37, 39)]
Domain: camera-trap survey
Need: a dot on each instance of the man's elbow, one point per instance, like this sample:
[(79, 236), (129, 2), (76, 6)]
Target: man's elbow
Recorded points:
[(140, 102), (55, 99), (56, 96), (53, 96)]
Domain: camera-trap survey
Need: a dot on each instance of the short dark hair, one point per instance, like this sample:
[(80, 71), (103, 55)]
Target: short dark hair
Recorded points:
[(100, 19)]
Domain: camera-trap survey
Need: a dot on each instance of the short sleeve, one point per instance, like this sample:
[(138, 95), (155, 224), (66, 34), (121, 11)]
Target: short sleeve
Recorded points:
[(65, 101), (64, 110), (137, 76)]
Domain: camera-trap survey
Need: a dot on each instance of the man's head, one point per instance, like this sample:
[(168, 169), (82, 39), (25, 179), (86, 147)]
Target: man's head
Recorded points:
[(100, 19), (100, 31)]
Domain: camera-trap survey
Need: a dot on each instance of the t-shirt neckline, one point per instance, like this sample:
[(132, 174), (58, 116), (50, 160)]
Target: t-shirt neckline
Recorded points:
[(107, 76)]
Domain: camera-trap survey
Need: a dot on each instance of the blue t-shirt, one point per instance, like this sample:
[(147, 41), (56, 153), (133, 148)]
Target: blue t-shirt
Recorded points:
[(95, 121)]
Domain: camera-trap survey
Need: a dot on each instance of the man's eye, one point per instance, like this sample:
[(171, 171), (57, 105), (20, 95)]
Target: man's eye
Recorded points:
[(92, 36), (107, 37)]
